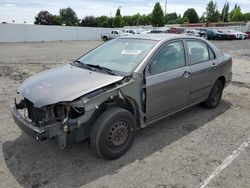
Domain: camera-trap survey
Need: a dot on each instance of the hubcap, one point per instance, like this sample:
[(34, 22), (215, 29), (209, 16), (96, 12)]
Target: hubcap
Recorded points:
[(118, 135)]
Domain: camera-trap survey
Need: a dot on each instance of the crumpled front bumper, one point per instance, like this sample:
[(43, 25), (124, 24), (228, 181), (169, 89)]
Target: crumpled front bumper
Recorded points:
[(27, 127)]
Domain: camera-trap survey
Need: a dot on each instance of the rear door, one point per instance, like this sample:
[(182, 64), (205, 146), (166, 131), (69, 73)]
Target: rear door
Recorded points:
[(204, 68), (168, 80)]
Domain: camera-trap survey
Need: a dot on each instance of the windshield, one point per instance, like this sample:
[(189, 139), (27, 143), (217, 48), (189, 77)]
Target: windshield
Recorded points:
[(119, 55)]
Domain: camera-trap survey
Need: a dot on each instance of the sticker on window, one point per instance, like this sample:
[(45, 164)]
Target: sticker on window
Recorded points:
[(131, 52)]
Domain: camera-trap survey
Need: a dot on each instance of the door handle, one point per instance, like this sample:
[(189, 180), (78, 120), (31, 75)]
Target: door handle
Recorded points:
[(186, 74), (213, 64)]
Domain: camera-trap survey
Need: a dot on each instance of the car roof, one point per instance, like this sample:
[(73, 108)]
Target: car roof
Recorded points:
[(157, 37)]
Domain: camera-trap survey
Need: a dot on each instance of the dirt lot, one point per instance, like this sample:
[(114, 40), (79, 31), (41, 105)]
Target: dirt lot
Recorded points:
[(194, 148)]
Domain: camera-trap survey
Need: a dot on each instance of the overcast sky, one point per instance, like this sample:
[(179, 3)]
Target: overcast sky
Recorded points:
[(26, 10)]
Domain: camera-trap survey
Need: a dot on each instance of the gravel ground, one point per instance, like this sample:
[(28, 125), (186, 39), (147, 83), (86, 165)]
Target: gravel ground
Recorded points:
[(181, 151)]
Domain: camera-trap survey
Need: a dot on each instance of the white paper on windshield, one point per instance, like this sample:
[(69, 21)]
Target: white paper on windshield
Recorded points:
[(131, 52)]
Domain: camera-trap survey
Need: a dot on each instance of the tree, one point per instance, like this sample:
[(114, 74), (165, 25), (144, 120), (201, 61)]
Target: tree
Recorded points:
[(235, 14), (157, 16), (171, 17), (103, 21), (89, 21), (68, 16), (118, 12), (57, 20), (185, 20), (211, 12), (247, 16), (192, 15), (225, 12), (44, 18), (203, 18), (118, 21)]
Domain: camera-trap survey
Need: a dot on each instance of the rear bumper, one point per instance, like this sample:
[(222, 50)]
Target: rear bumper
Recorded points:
[(27, 127)]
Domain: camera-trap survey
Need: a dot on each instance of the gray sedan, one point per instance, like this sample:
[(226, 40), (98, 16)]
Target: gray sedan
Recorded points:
[(119, 87)]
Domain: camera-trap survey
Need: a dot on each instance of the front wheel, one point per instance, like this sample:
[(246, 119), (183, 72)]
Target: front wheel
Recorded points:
[(105, 38), (113, 133), (215, 95)]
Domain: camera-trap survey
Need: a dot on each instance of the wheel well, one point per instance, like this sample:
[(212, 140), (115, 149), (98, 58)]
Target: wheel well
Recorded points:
[(125, 103), (222, 79)]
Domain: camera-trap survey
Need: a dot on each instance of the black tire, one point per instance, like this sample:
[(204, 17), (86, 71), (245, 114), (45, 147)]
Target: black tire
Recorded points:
[(104, 38), (215, 95), (113, 133)]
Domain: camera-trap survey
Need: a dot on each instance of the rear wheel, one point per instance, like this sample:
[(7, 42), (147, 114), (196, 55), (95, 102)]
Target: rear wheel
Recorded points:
[(113, 133), (215, 95)]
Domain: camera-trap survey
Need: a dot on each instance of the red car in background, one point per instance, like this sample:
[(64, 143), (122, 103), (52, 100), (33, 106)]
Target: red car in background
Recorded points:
[(248, 34)]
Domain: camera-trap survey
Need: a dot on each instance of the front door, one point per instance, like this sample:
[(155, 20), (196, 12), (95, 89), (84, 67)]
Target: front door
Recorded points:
[(168, 81)]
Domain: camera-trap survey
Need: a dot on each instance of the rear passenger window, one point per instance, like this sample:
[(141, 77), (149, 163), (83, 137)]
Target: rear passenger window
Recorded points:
[(198, 52)]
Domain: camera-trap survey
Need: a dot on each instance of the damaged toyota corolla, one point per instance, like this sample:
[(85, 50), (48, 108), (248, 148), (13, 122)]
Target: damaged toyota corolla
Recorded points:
[(119, 87)]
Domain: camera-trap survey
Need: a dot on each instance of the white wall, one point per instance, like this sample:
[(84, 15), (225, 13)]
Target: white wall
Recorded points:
[(34, 33)]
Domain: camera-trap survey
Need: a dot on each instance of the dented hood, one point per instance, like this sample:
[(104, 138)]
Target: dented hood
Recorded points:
[(63, 84)]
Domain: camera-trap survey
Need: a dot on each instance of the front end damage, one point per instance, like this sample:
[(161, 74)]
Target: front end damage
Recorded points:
[(73, 121), (52, 121)]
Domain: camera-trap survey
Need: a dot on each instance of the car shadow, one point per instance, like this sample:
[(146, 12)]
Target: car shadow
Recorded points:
[(37, 164)]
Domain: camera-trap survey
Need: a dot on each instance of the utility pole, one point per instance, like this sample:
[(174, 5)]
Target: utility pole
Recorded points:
[(224, 11), (166, 1)]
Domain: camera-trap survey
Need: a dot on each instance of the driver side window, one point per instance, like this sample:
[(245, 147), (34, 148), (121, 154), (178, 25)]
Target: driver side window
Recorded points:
[(169, 57)]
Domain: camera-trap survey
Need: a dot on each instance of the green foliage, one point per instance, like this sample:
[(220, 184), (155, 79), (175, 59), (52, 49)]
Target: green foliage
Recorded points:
[(118, 21), (89, 21), (247, 16), (157, 16), (68, 16), (118, 12), (185, 20), (57, 20), (225, 12), (173, 18), (170, 17), (44, 18), (103, 21), (192, 15), (203, 18), (236, 14), (211, 12), (136, 19)]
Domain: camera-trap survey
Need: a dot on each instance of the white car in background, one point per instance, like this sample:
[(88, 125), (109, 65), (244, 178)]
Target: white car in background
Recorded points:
[(113, 34), (130, 31), (238, 34), (193, 32)]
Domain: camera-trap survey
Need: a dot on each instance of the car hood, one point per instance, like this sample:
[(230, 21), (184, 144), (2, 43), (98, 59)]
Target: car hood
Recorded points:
[(63, 84)]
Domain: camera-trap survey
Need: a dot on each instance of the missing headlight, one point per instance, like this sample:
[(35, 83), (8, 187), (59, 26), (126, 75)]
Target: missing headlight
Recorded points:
[(63, 111)]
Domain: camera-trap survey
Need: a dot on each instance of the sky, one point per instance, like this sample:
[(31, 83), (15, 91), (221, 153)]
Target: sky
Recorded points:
[(25, 10)]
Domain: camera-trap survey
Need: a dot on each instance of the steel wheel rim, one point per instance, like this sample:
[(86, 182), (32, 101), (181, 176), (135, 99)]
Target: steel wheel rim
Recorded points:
[(217, 94), (118, 135)]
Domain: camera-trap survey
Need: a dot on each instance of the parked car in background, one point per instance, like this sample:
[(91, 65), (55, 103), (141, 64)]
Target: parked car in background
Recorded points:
[(176, 30), (130, 31), (157, 31), (238, 34), (192, 32), (113, 34), (119, 87), (248, 34), (213, 34)]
